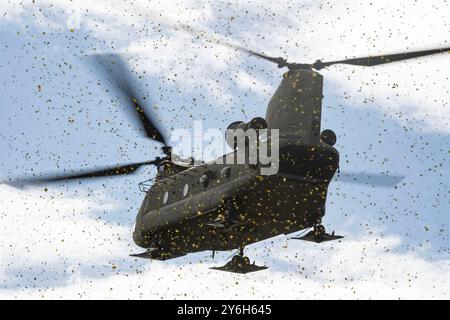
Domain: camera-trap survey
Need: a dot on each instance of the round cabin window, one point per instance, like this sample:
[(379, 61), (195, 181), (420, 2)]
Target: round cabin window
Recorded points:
[(204, 181), (165, 197), (226, 172), (185, 190), (328, 136)]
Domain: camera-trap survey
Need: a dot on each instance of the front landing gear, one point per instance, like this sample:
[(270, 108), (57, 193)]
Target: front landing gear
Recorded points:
[(157, 254), (228, 218), (318, 234), (240, 264)]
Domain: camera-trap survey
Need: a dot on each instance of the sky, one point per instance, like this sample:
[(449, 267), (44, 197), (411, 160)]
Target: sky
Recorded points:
[(73, 240)]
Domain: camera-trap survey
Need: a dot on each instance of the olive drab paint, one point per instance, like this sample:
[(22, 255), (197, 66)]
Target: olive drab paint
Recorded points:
[(228, 212)]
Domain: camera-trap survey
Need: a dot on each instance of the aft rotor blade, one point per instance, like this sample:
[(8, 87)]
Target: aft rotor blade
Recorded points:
[(107, 172), (377, 60), (281, 62), (115, 68), (370, 179)]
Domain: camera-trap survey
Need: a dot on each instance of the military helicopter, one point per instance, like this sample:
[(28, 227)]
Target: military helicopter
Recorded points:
[(216, 206)]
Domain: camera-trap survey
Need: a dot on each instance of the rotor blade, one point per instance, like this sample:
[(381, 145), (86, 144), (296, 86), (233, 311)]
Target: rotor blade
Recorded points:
[(377, 60), (281, 62), (107, 172), (371, 179), (116, 69)]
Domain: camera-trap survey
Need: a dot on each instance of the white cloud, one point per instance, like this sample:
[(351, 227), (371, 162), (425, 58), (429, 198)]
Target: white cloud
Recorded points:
[(92, 261), (57, 245), (46, 229), (329, 30)]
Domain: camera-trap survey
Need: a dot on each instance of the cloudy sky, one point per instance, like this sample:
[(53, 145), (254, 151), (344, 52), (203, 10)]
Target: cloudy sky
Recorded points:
[(72, 240)]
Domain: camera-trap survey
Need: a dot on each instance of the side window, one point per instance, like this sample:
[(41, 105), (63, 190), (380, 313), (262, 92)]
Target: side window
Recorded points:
[(226, 172), (185, 190), (165, 197), (204, 181)]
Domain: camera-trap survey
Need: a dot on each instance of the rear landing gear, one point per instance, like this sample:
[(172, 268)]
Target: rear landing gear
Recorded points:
[(319, 231), (240, 264), (318, 234)]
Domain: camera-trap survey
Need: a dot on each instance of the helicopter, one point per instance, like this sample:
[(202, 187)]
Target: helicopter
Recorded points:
[(218, 206)]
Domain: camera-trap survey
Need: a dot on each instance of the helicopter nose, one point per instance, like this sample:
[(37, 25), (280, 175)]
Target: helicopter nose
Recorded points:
[(139, 238)]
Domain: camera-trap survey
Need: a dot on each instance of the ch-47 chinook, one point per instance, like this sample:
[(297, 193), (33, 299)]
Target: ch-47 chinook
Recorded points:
[(191, 208)]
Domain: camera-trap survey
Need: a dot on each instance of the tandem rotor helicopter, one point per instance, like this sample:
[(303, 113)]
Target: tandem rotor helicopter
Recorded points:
[(190, 208)]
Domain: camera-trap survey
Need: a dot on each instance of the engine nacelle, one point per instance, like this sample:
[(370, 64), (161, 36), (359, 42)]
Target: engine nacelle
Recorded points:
[(256, 124), (328, 136)]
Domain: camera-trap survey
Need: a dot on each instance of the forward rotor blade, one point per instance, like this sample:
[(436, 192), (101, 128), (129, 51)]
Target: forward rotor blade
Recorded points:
[(371, 179), (377, 60), (281, 62), (107, 172), (116, 70)]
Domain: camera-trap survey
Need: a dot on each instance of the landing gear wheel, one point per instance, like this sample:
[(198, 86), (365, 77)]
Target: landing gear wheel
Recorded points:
[(239, 261), (240, 264), (319, 230), (236, 260)]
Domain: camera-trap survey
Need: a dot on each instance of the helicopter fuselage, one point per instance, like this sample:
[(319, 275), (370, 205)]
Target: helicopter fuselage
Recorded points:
[(179, 212), (222, 205), (182, 213)]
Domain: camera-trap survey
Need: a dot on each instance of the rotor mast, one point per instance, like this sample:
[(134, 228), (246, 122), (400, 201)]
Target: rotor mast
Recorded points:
[(296, 107)]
